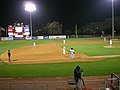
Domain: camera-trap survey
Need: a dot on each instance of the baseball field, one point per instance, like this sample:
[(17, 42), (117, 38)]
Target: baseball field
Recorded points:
[(46, 58)]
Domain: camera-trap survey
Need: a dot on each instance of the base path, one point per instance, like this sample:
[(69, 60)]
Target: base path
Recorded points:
[(44, 53)]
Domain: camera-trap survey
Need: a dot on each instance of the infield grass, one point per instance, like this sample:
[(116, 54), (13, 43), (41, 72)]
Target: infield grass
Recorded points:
[(104, 67)]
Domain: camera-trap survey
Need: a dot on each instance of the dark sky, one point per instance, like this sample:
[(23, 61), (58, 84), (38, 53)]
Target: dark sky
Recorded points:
[(67, 12)]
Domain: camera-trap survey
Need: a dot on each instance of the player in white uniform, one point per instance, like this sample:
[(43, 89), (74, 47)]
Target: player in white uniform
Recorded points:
[(110, 42), (64, 49), (34, 44), (72, 53)]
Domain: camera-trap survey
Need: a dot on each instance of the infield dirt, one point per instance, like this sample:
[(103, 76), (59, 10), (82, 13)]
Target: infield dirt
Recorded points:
[(47, 53)]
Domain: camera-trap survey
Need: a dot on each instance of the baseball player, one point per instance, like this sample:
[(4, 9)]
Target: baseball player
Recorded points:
[(64, 49), (9, 54), (110, 42), (34, 44), (72, 53)]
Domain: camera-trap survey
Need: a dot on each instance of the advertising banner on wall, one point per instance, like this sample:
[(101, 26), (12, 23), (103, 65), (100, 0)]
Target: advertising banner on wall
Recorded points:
[(45, 37), (39, 37), (57, 36), (6, 38)]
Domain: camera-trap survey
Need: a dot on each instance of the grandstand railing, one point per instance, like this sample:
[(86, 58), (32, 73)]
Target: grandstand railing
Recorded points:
[(112, 83), (115, 81)]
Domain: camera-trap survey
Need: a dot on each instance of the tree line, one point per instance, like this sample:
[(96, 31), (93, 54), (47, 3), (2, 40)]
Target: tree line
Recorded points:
[(96, 28)]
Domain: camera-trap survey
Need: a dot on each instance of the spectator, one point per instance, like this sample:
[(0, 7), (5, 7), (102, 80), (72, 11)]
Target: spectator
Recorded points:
[(78, 73)]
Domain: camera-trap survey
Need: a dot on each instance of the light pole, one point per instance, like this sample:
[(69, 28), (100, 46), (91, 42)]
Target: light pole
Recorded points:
[(76, 35), (30, 7), (112, 18)]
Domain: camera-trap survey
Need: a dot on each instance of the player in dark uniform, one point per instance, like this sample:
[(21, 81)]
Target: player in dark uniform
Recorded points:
[(9, 54)]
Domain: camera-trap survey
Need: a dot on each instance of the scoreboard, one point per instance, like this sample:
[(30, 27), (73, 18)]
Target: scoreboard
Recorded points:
[(18, 30)]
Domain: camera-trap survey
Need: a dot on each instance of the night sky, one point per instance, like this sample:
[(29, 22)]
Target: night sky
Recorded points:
[(67, 12)]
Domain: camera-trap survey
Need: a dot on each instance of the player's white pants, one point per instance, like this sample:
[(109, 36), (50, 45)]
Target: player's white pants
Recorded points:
[(71, 56)]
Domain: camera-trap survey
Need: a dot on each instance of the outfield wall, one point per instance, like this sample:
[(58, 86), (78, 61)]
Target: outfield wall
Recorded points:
[(35, 37)]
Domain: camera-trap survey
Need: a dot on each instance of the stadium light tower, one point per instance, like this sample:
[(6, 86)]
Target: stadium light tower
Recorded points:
[(30, 7), (113, 19)]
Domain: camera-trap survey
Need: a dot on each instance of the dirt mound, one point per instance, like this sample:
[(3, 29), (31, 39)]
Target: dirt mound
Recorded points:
[(111, 46)]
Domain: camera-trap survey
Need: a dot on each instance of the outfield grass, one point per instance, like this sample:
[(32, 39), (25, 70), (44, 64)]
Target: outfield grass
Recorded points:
[(105, 67), (95, 50)]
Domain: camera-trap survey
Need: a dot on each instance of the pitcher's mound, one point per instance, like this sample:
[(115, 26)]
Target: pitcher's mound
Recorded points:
[(111, 46)]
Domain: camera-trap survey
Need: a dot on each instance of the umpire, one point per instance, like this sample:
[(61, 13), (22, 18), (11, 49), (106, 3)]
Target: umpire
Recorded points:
[(9, 54)]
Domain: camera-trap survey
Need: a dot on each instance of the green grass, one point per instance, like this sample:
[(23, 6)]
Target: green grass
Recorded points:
[(95, 50), (104, 67)]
